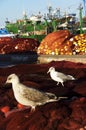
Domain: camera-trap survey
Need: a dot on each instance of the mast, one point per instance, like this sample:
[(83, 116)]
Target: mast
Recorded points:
[(80, 14), (84, 1)]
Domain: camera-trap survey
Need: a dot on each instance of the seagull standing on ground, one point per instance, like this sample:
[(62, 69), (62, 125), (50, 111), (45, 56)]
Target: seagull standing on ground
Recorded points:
[(58, 76), (29, 96)]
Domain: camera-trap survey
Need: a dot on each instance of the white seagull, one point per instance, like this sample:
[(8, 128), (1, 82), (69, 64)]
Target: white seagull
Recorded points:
[(29, 96), (58, 76)]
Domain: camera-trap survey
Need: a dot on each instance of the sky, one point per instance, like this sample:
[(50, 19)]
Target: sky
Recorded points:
[(13, 9)]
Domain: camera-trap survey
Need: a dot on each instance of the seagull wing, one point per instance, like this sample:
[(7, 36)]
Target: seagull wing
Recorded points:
[(65, 77), (61, 75), (33, 94)]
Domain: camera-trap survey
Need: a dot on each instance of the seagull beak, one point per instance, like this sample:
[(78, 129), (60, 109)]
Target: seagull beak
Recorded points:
[(6, 82), (48, 71), (7, 85)]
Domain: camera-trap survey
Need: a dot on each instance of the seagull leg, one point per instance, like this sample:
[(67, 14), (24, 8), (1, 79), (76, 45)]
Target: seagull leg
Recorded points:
[(32, 108), (62, 84), (57, 83)]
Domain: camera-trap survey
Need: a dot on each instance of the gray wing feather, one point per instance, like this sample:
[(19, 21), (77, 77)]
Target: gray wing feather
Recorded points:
[(61, 75), (33, 94), (64, 76)]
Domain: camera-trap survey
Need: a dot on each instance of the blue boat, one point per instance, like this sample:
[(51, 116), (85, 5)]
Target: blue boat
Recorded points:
[(4, 33), (18, 58)]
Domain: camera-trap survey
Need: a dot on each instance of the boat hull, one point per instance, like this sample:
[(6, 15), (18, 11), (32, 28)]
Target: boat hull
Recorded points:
[(17, 58)]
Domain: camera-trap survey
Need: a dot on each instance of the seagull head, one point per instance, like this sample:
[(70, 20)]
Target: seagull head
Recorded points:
[(51, 69), (13, 78)]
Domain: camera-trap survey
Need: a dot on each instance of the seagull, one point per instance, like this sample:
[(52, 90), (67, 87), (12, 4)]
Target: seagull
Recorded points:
[(29, 96), (58, 76)]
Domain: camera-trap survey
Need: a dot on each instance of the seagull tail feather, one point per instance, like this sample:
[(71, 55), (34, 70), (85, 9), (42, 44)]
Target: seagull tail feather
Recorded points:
[(71, 77), (51, 96)]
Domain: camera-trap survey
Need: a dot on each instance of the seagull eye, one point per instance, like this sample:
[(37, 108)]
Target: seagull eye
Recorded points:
[(9, 78)]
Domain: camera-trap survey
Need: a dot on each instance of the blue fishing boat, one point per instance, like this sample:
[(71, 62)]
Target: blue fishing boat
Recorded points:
[(4, 33), (18, 58)]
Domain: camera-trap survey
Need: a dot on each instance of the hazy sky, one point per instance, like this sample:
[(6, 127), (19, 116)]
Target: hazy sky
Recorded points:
[(13, 9)]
